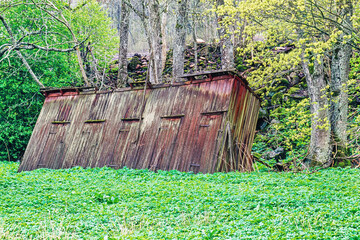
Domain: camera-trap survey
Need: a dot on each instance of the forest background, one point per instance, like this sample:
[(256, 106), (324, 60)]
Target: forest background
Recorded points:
[(301, 57)]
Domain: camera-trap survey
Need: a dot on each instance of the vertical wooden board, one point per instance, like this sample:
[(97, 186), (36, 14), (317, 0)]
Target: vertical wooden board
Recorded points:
[(165, 143), (99, 110), (228, 90), (250, 130), (150, 124), (234, 95), (177, 101), (91, 137), (59, 147), (206, 91), (246, 135), (64, 108), (88, 142), (239, 126), (132, 141), (196, 105), (134, 102), (81, 147), (75, 135), (121, 106), (204, 150), (119, 149), (129, 156), (190, 127), (48, 147), (195, 163), (123, 145), (182, 103), (61, 143), (215, 95), (247, 120), (239, 103), (240, 117), (244, 130), (146, 131), (40, 135), (222, 96), (95, 144), (237, 107), (253, 127)]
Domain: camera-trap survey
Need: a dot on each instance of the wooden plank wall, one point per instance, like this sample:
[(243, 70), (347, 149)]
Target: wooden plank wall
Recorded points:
[(178, 127), (235, 152)]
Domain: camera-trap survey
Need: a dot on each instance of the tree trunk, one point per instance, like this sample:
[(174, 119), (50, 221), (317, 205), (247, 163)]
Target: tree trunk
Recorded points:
[(179, 42), (154, 34), (226, 45), (123, 47), (227, 50), (163, 38), (320, 144), (195, 47), (340, 69)]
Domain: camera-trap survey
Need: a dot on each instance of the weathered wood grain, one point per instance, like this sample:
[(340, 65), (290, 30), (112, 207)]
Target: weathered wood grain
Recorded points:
[(180, 126)]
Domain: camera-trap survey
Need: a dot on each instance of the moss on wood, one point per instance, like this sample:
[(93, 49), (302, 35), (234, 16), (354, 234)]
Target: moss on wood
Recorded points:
[(95, 121)]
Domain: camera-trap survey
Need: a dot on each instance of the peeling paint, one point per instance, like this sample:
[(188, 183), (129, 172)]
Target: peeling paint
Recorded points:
[(207, 126)]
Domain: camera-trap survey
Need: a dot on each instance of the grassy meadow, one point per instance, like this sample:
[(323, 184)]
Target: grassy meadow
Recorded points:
[(138, 204)]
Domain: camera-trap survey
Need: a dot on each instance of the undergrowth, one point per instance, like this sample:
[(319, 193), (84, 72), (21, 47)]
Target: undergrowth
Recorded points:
[(138, 204)]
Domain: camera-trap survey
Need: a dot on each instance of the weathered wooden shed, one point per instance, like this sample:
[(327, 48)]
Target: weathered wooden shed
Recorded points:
[(204, 124)]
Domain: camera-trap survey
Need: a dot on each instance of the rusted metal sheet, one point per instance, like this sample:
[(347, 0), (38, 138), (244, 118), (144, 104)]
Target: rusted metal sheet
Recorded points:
[(205, 124)]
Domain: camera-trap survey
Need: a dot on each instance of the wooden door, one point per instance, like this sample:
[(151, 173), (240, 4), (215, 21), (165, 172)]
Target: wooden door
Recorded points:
[(205, 148), (53, 153), (165, 143), (85, 154), (125, 145)]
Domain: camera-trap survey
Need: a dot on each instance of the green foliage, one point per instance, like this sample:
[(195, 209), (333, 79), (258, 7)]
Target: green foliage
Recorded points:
[(281, 37), (20, 100), (139, 204), (20, 103), (290, 128), (92, 23)]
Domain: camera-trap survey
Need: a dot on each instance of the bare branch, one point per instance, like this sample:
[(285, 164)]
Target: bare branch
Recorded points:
[(63, 20), (8, 29), (30, 46), (137, 12)]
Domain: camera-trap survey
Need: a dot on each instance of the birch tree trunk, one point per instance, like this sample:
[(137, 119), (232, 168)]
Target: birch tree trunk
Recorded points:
[(123, 47), (179, 42), (340, 69), (163, 37), (227, 50), (154, 35), (195, 46), (320, 142), (226, 45)]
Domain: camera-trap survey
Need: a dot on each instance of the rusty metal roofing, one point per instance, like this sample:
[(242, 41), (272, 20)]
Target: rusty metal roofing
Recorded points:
[(204, 124)]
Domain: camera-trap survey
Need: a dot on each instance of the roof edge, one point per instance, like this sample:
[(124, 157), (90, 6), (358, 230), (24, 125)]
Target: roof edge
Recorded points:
[(193, 78)]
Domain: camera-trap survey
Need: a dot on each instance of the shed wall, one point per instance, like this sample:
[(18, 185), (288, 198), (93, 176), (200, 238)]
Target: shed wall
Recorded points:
[(181, 128), (239, 129)]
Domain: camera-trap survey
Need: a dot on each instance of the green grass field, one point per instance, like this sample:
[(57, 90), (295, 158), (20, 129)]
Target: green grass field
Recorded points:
[(138, 204)]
